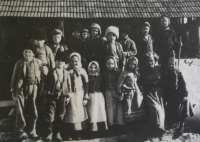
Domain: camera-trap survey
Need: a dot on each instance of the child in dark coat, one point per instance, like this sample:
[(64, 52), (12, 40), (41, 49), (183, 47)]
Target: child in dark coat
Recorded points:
[(93, 48), (166, 41), (58, 86), (178, 106)]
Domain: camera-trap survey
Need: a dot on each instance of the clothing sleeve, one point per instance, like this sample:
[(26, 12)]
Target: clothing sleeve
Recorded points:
[(121, 80), (133, 50), (85, 82), (14, 77), (51, 59), (182, 85), (123, 58)]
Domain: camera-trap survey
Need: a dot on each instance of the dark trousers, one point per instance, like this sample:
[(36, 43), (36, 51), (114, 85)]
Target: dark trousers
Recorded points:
[(54, 113), (26, 105)]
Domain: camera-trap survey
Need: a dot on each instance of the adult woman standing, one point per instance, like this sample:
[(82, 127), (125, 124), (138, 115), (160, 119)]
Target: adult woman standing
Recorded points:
[(153, 94)]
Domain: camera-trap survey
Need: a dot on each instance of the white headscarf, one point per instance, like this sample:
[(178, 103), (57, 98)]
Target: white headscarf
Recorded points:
[(98, 68)]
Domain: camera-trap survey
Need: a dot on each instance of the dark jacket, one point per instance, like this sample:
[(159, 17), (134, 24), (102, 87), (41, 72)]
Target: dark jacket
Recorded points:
[(111, 79), (51, 81), (129, 47), (96, 84), (174, 83), (93, 50)]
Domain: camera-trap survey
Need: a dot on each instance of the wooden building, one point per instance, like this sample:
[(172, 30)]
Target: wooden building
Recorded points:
[(17, 17)]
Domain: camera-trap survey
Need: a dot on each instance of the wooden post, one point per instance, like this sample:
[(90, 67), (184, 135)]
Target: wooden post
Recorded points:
[(179, 52)]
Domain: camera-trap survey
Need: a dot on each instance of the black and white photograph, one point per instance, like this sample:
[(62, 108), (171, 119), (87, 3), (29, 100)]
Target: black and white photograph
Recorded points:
[(100, 70)]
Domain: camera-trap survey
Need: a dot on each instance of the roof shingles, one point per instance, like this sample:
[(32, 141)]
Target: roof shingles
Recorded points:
[(100, 8)]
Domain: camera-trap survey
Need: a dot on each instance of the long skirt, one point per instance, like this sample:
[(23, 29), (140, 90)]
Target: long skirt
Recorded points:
[(135, 113), (114, 108), (97, 112), (76, 114), (155, 107)]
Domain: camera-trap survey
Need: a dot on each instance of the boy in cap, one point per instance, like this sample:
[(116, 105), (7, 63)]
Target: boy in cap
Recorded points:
[(58, 86), (128, 45), (113, 48), (57, 39), (26, 81), (84, 34), (93, 48), (42, 51)]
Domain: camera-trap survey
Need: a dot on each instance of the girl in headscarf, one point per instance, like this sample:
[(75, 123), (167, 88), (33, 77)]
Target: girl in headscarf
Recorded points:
[(130, 93), (153, 95), (96, 103), (113, 104), (76, 114)]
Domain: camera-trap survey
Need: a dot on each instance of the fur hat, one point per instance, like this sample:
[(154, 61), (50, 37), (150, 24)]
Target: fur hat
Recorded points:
[(97, 26), (39, 34), (112, 29), (125, 29), (60, 56), (57, 31)]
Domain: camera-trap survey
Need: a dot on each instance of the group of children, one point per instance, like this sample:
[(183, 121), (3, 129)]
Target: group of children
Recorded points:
[(104, 84)]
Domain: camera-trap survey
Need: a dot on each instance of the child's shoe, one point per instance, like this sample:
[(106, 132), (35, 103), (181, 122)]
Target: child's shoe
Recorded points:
[(57, 136), (22, 135), (49, 137)]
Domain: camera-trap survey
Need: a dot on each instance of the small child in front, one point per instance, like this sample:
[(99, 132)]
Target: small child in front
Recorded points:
[(27, 78), (58, 87)]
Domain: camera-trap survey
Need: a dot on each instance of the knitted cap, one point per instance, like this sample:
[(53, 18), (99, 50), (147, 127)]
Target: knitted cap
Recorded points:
[(56, 32), (112, 29), (97, 26), (146, 24), (84, 30), (39, 34), (60, 56), (125, 29)]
